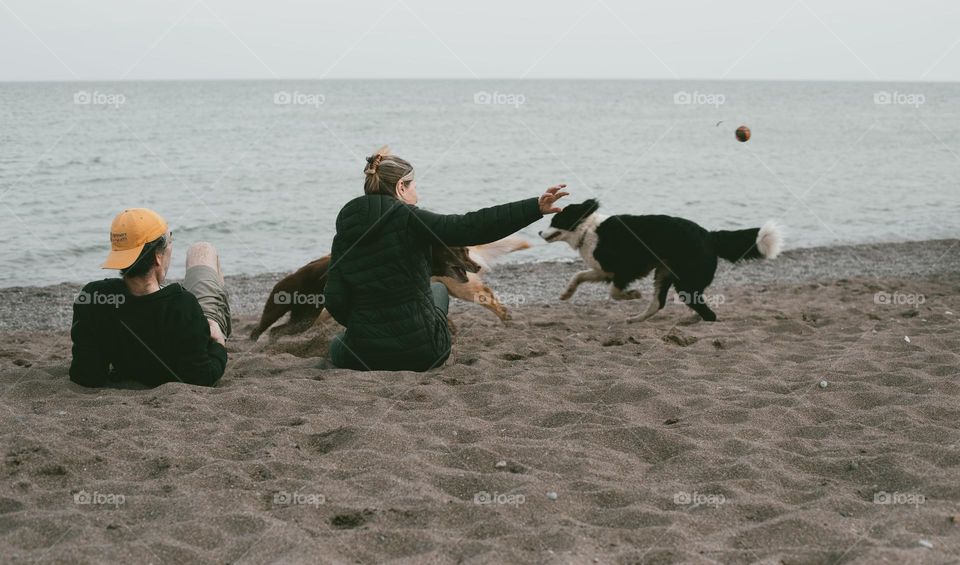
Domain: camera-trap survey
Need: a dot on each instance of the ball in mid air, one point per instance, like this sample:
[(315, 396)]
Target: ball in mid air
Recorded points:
[(743, 133)]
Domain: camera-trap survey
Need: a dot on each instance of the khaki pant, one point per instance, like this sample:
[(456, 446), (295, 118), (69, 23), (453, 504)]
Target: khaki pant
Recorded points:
[(204, 283)]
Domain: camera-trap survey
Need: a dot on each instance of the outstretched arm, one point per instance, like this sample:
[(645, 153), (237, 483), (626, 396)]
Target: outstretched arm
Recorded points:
[(487, 224)]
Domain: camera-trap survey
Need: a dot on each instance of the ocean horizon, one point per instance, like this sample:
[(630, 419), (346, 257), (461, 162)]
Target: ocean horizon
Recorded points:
[(260, 168)]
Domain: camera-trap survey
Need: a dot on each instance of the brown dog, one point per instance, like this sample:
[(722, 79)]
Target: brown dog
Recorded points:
[(301, 293), (474, 289), (458, 268)]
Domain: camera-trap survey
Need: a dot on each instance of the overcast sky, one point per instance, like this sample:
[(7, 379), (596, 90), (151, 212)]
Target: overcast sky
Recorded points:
[(223, 39)]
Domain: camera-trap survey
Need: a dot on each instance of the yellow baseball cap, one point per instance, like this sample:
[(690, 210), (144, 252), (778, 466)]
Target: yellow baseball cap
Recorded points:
[(130, 231)]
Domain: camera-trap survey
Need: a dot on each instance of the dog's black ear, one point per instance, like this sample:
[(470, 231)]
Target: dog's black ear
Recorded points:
[(591, 206)]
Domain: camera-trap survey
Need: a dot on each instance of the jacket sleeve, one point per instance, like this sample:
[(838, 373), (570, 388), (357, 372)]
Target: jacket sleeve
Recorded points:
[(476, 228), (89, 366), (200, 360), (336, 295)]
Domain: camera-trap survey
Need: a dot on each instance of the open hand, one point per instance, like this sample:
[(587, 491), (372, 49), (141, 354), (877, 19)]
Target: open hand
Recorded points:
[(549, 197)]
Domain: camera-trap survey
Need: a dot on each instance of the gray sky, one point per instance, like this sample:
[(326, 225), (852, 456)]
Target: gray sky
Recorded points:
[(218, 39)]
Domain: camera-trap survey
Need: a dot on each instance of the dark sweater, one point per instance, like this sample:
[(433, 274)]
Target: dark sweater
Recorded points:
[(154, 339), (378, 285)]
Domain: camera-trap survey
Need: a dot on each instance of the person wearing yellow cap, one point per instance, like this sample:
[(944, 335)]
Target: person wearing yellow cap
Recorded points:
[(134, 328)]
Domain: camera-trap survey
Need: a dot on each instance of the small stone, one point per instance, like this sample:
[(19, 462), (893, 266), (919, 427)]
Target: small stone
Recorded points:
[(823, 384), (853, 466), (906, 338), (501, 464), (552, 495), (926, 543)]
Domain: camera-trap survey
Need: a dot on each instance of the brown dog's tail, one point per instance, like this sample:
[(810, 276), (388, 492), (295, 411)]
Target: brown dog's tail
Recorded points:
[(488, 252), (273, 310)]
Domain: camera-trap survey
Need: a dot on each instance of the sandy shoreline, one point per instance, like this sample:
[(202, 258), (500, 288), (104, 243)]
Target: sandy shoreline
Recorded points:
[(661, 443), (48, 307)]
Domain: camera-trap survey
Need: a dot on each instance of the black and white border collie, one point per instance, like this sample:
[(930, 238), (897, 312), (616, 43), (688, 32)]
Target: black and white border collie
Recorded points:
[(623, 248)]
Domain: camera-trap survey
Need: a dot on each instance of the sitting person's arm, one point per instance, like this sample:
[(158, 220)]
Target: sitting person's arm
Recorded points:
[(476, 228), (89, 366), (336, 296), (201, 360)]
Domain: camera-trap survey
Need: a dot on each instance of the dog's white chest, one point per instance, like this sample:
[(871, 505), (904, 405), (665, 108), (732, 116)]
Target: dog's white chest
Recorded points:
[(587, 248), (589, 242)]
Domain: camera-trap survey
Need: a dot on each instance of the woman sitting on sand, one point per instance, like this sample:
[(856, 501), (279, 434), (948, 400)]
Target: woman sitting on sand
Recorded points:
[(378, 285)]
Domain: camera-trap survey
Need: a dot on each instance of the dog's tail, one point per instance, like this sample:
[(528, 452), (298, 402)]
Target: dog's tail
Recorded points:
[(486, 253), (273, 310), (754, 243)]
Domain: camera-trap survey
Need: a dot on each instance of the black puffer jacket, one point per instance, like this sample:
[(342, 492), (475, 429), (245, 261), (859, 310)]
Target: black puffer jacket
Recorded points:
[(378, 285)]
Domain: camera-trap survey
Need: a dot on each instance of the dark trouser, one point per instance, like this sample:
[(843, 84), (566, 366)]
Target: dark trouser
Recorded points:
[(340, 354)]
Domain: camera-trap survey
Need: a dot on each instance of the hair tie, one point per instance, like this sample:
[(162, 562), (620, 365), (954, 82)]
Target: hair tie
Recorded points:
[(372, 164)]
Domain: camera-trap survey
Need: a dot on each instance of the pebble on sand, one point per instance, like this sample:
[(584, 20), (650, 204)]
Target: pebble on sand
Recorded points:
[(925, 543), (823, 384), (552, 495), (501, 464)]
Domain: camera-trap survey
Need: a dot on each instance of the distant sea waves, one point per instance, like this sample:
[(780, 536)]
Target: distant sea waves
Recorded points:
[(262, 168)]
